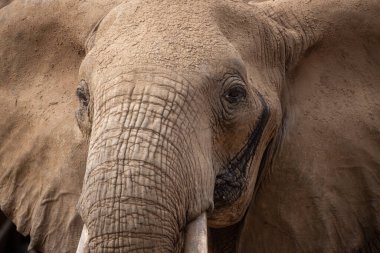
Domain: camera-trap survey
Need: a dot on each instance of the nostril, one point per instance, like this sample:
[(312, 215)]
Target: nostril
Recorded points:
[(83, 241)]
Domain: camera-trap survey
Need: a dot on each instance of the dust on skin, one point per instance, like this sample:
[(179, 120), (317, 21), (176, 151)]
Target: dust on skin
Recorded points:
[(323, 99)]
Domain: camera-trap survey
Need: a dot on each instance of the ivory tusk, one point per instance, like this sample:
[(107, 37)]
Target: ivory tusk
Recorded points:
[(83, 241), (196, 235)]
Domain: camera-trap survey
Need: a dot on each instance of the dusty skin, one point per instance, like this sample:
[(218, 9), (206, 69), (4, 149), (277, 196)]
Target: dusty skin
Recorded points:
[(263, 115)]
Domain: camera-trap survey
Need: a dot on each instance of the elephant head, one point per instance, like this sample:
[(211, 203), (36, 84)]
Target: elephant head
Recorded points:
[(191, 113)]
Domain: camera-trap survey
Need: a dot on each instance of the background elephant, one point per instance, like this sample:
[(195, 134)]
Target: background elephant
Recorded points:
[(264, 116)]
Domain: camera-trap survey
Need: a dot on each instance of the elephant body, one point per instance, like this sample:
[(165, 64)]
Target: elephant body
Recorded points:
[(263, 116)]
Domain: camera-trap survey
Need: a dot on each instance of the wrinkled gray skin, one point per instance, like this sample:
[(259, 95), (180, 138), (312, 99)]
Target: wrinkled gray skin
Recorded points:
[(228, 108), (162, 127)]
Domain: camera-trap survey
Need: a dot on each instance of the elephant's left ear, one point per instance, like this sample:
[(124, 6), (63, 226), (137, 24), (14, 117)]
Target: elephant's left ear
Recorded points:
[(42, 151), (299, 26), (328, 158)]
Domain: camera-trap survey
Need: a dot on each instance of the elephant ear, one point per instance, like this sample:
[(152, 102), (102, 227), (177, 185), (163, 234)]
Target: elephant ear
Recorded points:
[(321, 190), (42, 151)]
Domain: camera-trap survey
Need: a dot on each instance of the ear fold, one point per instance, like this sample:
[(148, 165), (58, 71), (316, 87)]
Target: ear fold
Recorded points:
[(321, 191), (42, 151), (302, 24)]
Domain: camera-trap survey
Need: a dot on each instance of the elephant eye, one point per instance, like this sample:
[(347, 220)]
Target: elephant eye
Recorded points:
[(82, 93), (83, 114), (235, 94)]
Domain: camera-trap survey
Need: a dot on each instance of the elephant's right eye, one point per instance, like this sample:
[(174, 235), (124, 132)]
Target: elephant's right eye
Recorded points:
[(82, 93), (83, 114)]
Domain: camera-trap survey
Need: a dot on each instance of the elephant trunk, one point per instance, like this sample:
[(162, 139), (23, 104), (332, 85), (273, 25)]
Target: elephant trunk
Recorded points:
[(134, 200), (196, 237), (144, 179)]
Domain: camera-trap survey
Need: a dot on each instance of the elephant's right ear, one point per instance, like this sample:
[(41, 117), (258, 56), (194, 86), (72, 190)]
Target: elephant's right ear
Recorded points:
[(42, 150)]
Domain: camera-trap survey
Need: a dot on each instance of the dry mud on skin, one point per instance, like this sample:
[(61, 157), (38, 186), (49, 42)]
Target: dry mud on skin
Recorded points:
[(332, 121)]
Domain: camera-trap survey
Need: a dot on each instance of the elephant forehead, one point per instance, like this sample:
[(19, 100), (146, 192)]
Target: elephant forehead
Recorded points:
[(182, 36)]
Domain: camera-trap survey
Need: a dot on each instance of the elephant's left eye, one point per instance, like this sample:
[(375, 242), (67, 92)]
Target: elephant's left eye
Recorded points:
[(235, 94)]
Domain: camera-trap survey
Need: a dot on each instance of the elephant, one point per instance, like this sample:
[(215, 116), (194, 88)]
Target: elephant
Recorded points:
[(191, 126)]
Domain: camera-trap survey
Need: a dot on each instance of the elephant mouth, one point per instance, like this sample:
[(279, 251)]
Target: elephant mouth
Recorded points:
[(230, 183)]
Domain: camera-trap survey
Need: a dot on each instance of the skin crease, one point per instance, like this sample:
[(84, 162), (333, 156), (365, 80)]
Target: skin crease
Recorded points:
[(153, 78)]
